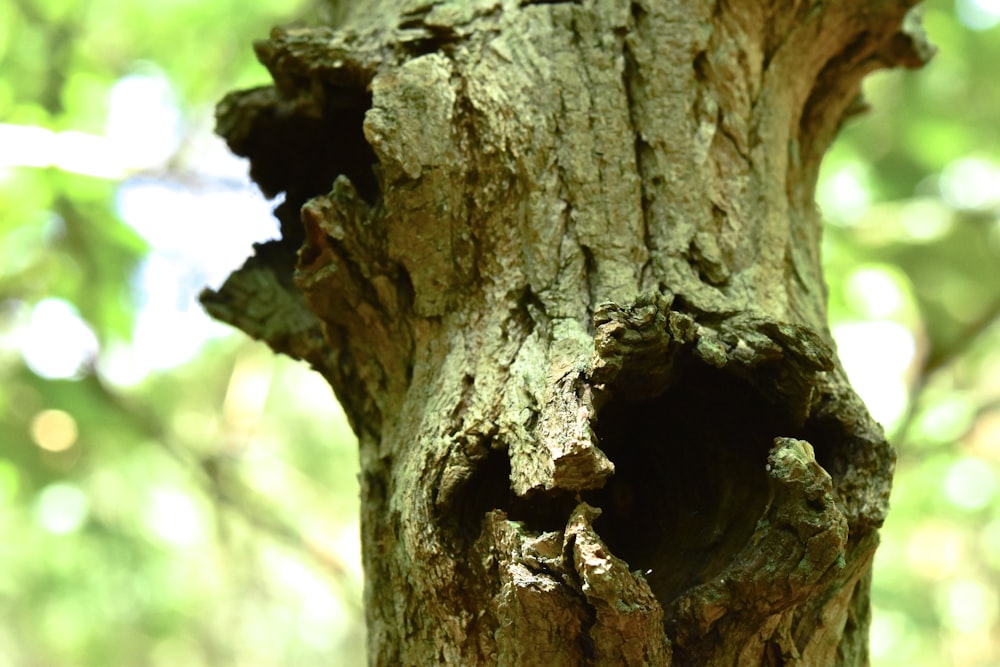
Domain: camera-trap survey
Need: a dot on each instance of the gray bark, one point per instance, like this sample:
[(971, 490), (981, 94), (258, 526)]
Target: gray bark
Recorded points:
[(566, 283)]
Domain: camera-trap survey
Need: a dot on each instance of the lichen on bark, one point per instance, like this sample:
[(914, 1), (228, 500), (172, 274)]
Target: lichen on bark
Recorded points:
[(560, 262)]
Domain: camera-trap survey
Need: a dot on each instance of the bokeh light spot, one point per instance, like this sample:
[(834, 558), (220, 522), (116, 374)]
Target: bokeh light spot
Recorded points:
[(143, 119), (925, 220), (978, 14), (61, 508), (945, 419), (58, 343), (970, 183), (54, 430), (890, 631), (969, 605), (876, 291), (936, 550), (845, 194), (876, 356), (970, 484), (173, 517)]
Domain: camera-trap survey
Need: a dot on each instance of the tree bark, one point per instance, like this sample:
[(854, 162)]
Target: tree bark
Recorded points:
[(567, 285)]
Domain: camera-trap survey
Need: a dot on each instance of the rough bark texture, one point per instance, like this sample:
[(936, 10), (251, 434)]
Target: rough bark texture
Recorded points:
[(566, 282)]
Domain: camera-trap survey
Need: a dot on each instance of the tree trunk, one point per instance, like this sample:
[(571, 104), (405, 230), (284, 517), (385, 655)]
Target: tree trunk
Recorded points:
[(567, 285)]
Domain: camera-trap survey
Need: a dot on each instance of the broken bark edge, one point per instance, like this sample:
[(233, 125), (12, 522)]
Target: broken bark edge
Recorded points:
[(564, 599), (667, 553)]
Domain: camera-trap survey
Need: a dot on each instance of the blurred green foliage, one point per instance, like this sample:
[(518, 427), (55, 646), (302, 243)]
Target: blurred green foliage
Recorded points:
[(173, 502), (911, 191), (155, 511)]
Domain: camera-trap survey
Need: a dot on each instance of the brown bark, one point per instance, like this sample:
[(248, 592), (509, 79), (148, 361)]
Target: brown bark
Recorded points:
[(567, 285)]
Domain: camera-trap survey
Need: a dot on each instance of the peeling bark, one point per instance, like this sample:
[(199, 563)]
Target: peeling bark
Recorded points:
[(560, 262)]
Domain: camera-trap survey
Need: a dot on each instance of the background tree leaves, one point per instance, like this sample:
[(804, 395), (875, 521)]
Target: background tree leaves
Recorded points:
[(172, 493)]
